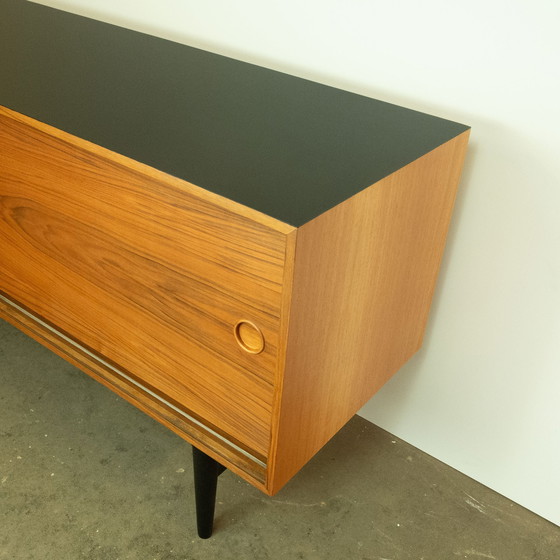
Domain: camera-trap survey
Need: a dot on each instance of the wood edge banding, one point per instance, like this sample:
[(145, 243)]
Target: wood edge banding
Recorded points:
[(289, 262)]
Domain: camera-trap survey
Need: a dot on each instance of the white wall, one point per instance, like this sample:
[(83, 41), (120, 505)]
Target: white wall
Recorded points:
[(484, 393)]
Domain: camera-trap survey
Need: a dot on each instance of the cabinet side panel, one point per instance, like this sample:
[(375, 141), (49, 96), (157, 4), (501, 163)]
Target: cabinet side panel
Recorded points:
[(364, 277)]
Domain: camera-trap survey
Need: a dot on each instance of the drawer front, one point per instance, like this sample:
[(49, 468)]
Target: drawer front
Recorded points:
[(177, 287)]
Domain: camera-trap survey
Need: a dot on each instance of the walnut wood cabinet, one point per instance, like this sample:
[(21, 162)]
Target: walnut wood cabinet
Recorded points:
[(246, 256)]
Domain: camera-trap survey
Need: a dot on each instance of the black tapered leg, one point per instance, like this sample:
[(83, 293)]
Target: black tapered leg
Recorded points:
[(206, 473)]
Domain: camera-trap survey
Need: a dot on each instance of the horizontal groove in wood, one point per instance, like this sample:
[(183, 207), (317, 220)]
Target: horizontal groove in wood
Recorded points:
[(175, 272), (184, 424)]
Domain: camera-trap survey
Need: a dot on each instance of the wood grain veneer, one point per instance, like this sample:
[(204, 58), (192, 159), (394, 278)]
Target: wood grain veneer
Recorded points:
[(144, 272), (363, 281), (189, 428)]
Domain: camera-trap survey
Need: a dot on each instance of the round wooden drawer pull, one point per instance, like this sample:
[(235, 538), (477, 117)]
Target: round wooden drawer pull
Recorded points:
[(249, 337)]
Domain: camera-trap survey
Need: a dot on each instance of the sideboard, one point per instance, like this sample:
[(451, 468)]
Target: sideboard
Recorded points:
[(244, 255)]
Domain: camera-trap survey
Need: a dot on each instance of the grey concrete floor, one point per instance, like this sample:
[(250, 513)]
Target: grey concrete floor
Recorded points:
[(84, 475)]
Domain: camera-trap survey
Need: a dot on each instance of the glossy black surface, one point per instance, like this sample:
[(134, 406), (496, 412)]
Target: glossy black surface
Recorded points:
[(285, 146)]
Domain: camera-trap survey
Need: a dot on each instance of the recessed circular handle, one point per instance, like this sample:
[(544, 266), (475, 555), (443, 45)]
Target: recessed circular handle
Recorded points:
[(249, 337)]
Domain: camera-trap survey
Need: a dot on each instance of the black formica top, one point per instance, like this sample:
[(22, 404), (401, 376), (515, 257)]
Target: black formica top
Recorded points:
[(285, 146)]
